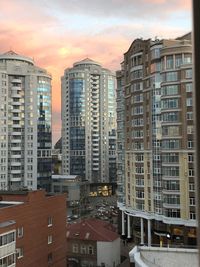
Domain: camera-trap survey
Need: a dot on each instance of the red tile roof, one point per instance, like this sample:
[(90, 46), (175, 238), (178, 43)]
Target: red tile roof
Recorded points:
[(92, 229)]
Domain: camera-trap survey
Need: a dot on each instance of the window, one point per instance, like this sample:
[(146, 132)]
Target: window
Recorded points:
[(188, 87), (170, 90), (7, 261), (172, 199), (50, 257), (187, 58), (190, 144), (191, 172), (20, 231), (50, 239), (140, 194), (170, 103), (75, 248), (189, 115), (171, 144), (189, 102), (192, 201), (83, 249), (171, 171), (170, 76), (173, 213), (7, 238), (190, 129), (188, 74), (178, 60), (19, 252), (192, 216), (50, 221), (190, 157), (90, 250), (169, 62), (172, 185), (191, 187)]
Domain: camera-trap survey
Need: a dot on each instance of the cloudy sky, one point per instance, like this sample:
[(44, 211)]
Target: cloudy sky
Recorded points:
[(57, 33)]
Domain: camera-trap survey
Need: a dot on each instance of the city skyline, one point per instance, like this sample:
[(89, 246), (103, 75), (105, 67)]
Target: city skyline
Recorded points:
[(58, 33)]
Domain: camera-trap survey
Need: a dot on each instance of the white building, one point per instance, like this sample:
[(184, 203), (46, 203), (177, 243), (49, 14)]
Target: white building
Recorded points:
[(92, 242), (25, 123), (159, 256), (89, 122)]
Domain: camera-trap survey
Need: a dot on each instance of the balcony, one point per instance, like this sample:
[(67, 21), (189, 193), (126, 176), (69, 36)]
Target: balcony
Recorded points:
[(16, 148), (16, 81), (15, 171), (14, 133), (16, 163), (16, 156), (171, 206), (169, 192), (16, 141), (7, 250), (14, 103), (15, 179), (15, 95)]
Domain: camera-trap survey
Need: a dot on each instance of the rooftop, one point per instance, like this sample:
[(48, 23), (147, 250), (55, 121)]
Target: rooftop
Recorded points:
[(11, 55), (92, 229), (5, 204), (87, 61), (67, 177)]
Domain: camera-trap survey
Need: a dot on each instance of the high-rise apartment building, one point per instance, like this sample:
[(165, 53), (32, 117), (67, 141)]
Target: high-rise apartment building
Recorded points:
[(159, 180), (25, 123), (89, 122), (120, 145)]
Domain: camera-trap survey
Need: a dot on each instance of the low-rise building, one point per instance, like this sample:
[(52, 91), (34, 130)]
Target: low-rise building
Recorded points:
[(92, 243), (32, 229)]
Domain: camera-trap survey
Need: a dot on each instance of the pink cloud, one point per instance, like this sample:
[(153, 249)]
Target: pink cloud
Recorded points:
[(29, 28)]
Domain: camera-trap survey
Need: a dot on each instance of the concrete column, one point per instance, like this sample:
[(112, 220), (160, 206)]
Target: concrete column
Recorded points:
[(149, 233), (123, 229), (142, 230), (128, 226)]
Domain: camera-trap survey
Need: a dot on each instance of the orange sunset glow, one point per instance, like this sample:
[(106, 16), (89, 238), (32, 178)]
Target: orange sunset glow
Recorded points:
[(57, 33)]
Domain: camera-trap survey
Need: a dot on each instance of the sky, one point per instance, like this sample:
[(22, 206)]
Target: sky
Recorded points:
[(57, 33)]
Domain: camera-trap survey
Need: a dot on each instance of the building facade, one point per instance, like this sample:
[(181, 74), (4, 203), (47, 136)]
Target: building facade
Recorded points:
[(120, 147), (25, 123), (89, 122), (159, 142), (92, 243), (32, 229)]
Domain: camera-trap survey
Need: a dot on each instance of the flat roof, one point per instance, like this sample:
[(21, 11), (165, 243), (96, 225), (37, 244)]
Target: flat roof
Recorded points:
[(68, 177), (7, 223), (4, 204)]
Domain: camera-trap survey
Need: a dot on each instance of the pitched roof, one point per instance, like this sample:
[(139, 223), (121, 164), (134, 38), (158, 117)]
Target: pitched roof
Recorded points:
[(92, 229)]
